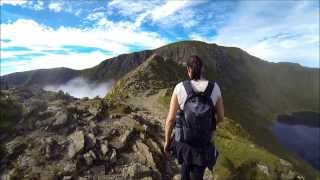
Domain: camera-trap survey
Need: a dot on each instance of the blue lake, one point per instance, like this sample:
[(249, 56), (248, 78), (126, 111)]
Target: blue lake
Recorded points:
[(300, 133)]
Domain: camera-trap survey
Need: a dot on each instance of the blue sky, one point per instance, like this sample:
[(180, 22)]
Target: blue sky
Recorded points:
[(79, 34)]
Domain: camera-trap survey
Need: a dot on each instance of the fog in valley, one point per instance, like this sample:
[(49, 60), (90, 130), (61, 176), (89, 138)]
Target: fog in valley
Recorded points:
[(80, 87)]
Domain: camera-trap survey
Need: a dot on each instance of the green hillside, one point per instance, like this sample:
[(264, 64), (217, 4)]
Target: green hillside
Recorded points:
[(247, 100)]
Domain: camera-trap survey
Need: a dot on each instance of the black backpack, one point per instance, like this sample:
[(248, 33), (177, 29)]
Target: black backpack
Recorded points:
[(195, 124)]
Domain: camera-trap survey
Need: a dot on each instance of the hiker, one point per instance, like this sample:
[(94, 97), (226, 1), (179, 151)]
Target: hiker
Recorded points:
[(196, 107)]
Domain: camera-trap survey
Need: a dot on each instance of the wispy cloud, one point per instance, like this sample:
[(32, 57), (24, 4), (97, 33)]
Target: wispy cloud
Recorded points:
[(95, 30), (106, 38), (55, 6), (13, 2), (274, 31), (51, 60)]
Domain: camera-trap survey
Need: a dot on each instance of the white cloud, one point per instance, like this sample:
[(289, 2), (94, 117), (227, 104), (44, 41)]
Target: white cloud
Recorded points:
[(132, 8), (55, 6), (71, 60), (37, 5), (274, 31), (13, 2), (34, 5), (169, 8), (96, 16), (115, 38), (169, 13)]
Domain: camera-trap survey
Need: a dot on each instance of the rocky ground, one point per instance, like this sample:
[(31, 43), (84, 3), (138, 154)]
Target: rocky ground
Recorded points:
[(55, 136)]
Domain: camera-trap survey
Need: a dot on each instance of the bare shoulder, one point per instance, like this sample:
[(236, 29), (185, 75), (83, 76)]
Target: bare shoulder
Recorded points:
[(177, 88)]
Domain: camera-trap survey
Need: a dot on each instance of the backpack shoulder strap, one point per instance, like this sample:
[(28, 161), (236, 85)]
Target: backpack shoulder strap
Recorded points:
[(209, 89), (187, 86)]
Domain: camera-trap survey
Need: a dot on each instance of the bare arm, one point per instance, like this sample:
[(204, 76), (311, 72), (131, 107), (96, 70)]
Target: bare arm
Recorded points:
[(219, 110), (171, 118)]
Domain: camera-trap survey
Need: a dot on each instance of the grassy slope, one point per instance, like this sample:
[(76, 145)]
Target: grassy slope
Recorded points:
[(244, 97)]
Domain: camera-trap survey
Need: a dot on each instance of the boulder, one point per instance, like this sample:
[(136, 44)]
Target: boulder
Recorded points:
[(15, 147), (33, 106), (61, 119), (93, 128), (89, 157), (136, 171), (69, 167), (113, 157), (11, 174), (76, 143), (90, 141), (51, 148), (25, 162), (144, 155), (67, 178), (177, 177), (288, 175), (123, 139), (104, 149), (285, 163), (263, 169)]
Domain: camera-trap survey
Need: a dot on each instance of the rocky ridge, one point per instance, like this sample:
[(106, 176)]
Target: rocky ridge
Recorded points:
[(61, 137)]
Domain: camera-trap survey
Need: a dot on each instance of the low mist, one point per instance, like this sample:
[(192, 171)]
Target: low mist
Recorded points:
[(79, 87)]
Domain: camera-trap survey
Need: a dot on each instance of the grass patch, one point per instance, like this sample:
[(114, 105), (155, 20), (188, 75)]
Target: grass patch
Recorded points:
[(10, 113)]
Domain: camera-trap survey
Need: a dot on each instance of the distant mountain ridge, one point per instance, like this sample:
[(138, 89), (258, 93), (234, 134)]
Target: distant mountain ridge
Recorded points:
[(270, 87)]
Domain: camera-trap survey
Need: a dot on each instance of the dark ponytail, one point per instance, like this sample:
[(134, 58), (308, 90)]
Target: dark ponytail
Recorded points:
[(195, 64)]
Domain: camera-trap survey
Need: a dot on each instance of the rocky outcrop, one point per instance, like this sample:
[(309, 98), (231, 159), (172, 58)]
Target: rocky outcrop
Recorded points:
[(77, 138), (69, 138), (76, 143)]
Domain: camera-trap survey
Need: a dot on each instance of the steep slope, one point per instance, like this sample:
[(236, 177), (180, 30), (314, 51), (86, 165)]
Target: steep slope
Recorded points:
[(113, 68), (243, 96), (151, 76)]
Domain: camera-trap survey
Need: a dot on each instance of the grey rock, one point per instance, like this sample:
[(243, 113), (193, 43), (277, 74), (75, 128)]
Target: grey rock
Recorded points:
[(25, 161), (144, 154), (113, 157), (61, 119), (69, 167), (51, 148), (289, 175), (90, 141), (104, 149), (300, 177), (285, 163), (76, 143), (147, 178), (67, 178), (121, 141), (263, 169), (89, 157), (15, 147), (136, 171), (93, 128), (8, 175), (177, 177), (33, 106)]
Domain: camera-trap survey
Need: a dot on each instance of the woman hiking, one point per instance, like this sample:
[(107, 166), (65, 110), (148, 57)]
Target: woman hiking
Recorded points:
[(196, 107)]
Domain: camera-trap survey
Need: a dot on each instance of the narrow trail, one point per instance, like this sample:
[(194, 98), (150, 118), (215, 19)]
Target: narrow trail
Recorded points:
[(158, 112)]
